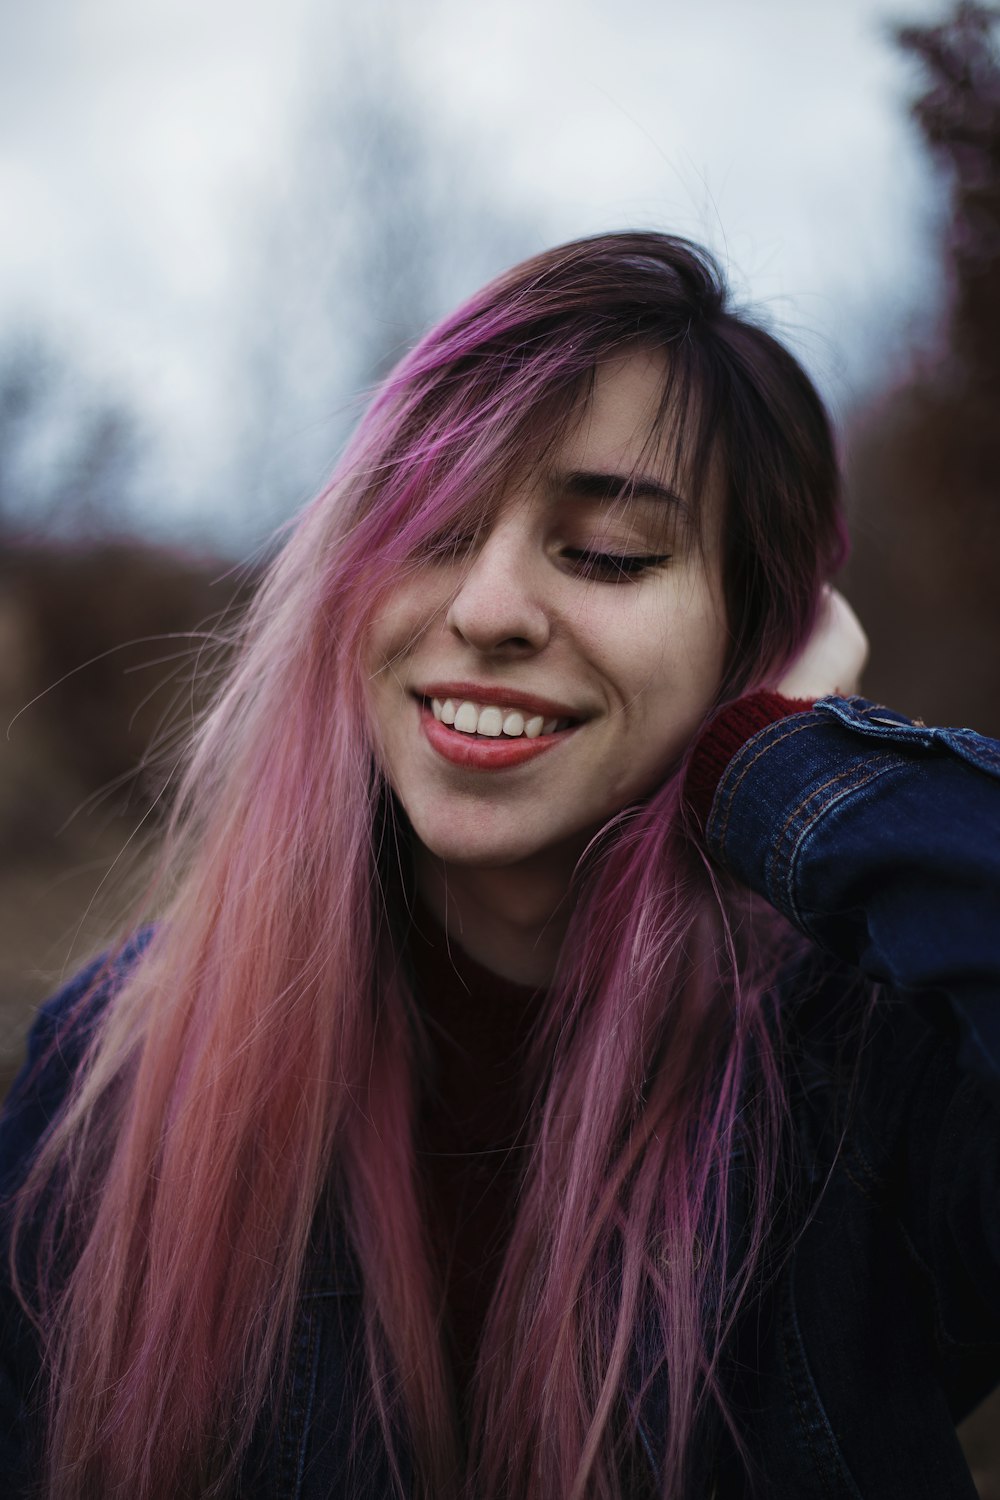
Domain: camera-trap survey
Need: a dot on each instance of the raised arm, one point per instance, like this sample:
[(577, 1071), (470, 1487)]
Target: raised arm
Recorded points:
[(877, 836)]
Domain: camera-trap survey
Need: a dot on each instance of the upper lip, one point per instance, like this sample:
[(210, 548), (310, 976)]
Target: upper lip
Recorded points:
[(500, 695)]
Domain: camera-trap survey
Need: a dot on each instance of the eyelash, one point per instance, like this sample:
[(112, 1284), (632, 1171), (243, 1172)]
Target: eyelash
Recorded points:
[(614, 567), (596, 567)]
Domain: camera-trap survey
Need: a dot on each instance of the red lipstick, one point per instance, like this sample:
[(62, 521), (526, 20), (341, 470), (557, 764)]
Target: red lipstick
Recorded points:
[(477, 753)]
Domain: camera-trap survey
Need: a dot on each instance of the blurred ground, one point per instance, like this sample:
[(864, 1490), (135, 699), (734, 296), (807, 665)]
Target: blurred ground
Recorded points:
[(98, 646)]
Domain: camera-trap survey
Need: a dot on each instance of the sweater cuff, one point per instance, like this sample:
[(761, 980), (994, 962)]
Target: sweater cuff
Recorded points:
[(724, 735)]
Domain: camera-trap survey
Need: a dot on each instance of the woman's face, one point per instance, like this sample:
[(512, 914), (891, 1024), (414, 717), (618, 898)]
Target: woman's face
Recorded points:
[(527, 625)]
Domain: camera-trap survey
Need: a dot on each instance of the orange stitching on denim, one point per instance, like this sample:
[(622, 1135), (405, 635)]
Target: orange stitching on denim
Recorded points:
[(847, 775), (795, 729), (873, 769)]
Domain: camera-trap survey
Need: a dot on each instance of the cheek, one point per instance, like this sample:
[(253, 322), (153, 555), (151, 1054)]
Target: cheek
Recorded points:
[(677, 654), (671, 669), (388, 631), (383, 659), (399, 623)]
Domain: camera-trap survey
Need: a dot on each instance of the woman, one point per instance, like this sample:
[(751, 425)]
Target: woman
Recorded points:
[(465, 1126)]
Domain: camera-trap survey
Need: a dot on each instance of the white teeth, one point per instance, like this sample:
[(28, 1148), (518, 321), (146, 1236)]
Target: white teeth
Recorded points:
[(468, 718)]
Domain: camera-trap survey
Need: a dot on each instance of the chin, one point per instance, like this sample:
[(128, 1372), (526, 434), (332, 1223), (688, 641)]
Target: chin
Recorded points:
[(492, 847), (454, 848)]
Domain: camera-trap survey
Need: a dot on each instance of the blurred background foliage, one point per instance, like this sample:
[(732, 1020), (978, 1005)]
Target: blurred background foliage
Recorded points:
[(923, 459), (101, 628), (103, 631)]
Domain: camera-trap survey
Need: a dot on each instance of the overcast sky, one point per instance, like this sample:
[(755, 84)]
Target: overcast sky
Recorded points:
[(143, 147)]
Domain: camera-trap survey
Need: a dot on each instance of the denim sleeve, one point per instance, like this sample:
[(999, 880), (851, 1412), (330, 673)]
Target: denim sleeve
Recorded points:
[(880, 839)]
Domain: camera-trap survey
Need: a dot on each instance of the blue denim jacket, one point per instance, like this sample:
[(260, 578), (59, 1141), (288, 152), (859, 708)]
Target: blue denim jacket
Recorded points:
[(880, 840)]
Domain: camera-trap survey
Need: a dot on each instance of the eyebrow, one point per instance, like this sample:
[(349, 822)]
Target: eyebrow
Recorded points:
[(596, 485)]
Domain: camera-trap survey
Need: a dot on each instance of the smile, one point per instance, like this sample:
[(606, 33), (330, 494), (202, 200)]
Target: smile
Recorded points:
[(496, 739), (492, 721)]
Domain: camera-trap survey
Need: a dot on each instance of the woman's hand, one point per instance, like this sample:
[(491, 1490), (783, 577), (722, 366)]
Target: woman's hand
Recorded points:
[(833, 657)]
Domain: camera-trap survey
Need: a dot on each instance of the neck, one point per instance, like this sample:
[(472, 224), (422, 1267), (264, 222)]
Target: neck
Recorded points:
[(511, 920)]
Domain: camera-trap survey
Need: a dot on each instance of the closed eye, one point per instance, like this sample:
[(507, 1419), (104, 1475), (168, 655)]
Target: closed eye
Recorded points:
[(614, 567)]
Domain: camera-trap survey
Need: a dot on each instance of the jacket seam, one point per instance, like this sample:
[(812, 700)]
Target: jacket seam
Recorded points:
[(295, 1426), (784, 881), (803, 1387), (946, 1342), (769, 738)]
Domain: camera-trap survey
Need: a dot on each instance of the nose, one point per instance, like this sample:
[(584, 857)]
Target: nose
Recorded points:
[(499, 607)]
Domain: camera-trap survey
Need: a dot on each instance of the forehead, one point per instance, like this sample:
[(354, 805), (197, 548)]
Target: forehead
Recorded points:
[(620, 428), (634, 439)]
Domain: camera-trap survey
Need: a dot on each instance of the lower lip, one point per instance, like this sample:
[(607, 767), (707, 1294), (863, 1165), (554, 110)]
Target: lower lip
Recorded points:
[(478, 753)]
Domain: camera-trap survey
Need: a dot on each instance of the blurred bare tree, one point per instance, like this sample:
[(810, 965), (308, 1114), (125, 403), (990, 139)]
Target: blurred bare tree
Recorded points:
[(384, 222), (69, 453), (924, 462), (959, 114)]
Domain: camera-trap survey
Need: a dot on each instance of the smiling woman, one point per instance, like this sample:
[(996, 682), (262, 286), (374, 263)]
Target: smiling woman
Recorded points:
[(531, 1083), (567, 638)]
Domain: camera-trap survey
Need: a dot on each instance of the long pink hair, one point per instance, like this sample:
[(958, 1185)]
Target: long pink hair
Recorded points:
[(259, 1068)]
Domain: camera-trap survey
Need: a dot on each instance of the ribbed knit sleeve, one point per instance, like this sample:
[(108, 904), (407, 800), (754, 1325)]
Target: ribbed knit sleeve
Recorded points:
[(725, 734)]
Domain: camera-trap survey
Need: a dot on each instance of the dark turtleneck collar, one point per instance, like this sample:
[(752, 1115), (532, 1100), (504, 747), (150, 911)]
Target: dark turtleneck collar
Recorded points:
[(478, 1025), (471, 1126)]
